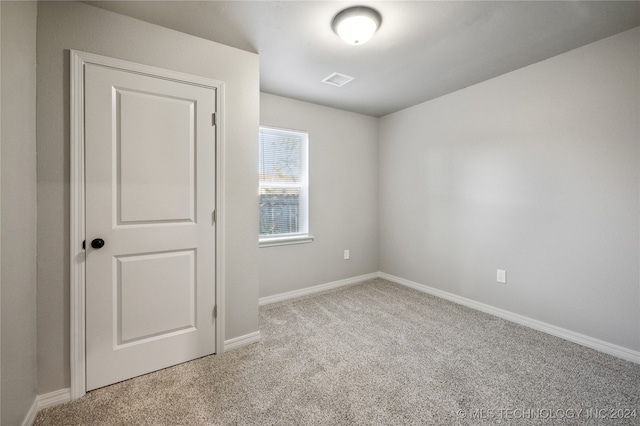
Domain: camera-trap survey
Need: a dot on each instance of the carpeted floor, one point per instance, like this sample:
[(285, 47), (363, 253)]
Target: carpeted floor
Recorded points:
[(376, 353)]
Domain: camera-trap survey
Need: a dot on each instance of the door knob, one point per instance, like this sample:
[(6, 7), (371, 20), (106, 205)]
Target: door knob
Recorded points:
[(97, 243)]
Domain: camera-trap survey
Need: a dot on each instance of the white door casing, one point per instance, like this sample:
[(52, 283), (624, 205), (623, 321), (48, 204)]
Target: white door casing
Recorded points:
[(148, 188)]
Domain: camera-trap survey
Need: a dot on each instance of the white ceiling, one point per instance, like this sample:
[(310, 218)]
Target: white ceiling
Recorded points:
[(424, 49)]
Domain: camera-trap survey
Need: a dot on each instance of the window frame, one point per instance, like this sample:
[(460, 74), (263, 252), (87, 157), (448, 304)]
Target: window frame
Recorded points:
[(304, 236)]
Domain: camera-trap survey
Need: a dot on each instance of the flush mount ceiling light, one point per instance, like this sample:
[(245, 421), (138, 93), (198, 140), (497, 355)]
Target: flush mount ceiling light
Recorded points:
[(356, 25)]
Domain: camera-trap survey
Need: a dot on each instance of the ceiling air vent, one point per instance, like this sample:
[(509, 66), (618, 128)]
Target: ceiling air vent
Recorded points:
[(337, 79)]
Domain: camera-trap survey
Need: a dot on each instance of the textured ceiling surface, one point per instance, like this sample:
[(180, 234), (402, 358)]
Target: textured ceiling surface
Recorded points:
[(423, 49)]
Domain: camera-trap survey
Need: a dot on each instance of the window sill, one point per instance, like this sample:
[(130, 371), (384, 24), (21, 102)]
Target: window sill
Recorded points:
[(285, 241)]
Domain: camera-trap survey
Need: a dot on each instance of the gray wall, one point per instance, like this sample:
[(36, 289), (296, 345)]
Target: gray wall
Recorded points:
[(343, 197), (18, 210), (535, 172), (63, 26)]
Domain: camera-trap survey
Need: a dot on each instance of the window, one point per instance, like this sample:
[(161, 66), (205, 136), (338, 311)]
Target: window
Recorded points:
[(284, 188)]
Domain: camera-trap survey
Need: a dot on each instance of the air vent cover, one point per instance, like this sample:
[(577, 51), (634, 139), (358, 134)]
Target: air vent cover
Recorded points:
[(337, 79)]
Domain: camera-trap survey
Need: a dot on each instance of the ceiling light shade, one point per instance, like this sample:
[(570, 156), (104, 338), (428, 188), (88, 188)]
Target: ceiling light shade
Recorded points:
[(356, 25)]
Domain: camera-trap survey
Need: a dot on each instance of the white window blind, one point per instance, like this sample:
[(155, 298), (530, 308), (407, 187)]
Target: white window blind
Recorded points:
[(283, 181)]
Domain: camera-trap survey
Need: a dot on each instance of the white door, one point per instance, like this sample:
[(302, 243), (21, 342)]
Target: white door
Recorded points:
[(150, 197)]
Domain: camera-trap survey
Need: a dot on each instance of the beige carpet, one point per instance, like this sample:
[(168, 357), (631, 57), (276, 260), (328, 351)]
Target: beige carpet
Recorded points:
[(375, 353)]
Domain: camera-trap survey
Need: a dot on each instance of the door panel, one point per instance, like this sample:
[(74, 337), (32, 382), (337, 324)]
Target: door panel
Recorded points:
[(165, 284), (165, 189), (150, 194)]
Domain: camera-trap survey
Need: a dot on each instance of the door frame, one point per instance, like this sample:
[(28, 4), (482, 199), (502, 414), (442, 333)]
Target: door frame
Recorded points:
[(77, 276)]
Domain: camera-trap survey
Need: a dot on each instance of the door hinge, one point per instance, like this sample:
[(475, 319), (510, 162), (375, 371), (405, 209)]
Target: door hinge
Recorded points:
[(84, 245), (215, 311), (213, 215), (213, 119)]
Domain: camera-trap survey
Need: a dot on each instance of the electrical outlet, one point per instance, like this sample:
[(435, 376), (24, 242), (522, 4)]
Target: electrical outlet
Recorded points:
[(346, 255), (501, 276)]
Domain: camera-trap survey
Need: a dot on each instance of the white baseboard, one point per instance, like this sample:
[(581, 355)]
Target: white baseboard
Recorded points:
[(572, 336), (54, 398), (31, 414), (46, 400), (315, 289), (238, 342)]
